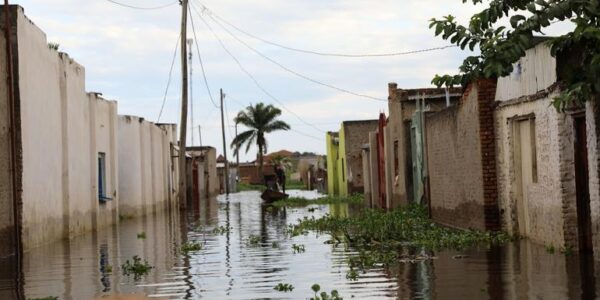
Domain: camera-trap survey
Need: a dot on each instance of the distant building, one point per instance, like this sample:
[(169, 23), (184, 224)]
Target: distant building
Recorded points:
[(344, 157), (203, 180)]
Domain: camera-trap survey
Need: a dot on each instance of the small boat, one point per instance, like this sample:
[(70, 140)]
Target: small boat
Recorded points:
[(271, 196)]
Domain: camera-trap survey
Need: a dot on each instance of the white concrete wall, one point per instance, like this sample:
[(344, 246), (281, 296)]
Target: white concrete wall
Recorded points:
[(41, 125), (145, 166)]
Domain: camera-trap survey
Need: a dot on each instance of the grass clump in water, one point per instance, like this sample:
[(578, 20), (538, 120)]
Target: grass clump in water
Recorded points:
[(253, 240), (383, 238), (284, 287), (136, 267), (298, 249), (141, 236), (191, 246), (301, 202)]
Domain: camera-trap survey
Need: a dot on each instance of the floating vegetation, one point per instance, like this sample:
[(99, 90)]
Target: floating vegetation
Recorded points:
[(141, 235), (301, 202), (108, 269), (284, 287), (221, 230), (136, 267), (253, 240), (323, 295), (385, 238), (191, 246), (298, 248), (275, 244), (123, 217)]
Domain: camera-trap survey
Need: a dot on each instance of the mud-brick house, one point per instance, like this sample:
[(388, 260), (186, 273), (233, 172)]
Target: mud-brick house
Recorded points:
[(204, 178), (396, 163), (344, 157), (547, 161), (460, 160)]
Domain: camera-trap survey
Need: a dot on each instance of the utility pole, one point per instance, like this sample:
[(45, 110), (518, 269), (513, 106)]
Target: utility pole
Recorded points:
[(184, 107), (200, 134), (224, 146), (190, 43)]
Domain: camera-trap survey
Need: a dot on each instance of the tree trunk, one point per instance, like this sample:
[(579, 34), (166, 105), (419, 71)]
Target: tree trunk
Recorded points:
[(261, 170)]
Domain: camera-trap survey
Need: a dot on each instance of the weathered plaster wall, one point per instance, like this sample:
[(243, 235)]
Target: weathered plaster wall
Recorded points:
[(454, 150), (367, 175), (145, 166), (592, 117), (355, 135), (7, 230), (41, 125), (545, 204), (374, 169), (332, 158)]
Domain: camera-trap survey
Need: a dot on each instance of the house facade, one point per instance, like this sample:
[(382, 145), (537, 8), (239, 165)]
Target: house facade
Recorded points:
[(344, 157), (547, 161), (71, 164)]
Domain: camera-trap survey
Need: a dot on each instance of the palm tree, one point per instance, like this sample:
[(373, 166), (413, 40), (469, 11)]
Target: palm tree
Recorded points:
[(260, 119)]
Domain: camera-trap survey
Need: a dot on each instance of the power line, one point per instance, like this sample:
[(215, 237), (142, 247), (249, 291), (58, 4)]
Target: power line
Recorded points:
[(227, 119), (201, 63), (400, 53), (249, 74), (139, 7), (169, 80), (295, 72)]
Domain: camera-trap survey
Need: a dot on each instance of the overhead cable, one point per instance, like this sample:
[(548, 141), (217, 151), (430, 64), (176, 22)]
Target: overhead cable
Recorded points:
[(140, 7), (250, 75), (295, 72), (201, 63), (169, 80), (399, 53)]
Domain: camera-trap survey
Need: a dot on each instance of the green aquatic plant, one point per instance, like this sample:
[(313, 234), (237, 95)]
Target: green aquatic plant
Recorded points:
[(298, 248), (108, 269), (221, 230), (323, 295), (253, 240), (379, 237), (302, 202), (191, 246), (550, 249), (136, 267), (141, 235), (275, 244), (284, 287)]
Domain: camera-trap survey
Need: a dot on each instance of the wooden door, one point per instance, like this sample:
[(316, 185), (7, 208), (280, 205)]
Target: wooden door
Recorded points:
[(584, 227), (524, 158)]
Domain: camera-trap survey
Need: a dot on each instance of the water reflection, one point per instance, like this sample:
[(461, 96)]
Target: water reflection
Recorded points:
[(229, 267)]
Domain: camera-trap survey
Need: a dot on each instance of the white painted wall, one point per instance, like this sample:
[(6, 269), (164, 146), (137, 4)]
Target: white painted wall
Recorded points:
[(145, 166), (534, 72)]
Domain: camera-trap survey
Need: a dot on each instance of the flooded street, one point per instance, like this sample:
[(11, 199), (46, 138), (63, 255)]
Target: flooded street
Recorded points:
[(255, 254)]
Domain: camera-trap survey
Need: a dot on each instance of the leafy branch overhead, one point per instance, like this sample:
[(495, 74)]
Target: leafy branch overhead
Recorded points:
[(500, 47)]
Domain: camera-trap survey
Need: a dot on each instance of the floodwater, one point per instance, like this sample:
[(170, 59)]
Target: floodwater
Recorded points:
[(230, 266)]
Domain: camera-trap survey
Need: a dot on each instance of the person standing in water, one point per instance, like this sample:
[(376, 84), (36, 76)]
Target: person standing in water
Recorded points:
[(280, 172)]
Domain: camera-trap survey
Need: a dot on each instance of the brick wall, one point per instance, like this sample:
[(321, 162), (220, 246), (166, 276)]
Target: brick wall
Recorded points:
[(460, 154), (356, 134)]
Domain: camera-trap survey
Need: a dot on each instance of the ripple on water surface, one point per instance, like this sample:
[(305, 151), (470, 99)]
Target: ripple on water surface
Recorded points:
[(255, 254)]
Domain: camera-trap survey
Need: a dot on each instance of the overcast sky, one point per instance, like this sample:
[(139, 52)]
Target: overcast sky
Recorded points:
[(127, 54)]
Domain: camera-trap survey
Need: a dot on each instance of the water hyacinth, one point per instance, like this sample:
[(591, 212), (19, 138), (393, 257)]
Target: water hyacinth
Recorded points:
[(383, 238), (302, 202)]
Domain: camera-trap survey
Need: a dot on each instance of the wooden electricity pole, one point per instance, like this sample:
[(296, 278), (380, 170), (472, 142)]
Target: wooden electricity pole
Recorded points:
[(224, 146), (184, 107)]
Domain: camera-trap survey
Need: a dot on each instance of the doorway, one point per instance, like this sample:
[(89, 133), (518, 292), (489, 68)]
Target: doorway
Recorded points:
[(525, 162), (584, 227)]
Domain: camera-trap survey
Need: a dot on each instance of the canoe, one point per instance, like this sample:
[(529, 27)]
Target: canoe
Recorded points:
[(271, 196)]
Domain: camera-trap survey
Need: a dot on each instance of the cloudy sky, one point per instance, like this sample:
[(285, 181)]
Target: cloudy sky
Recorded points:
[(127, 54)]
